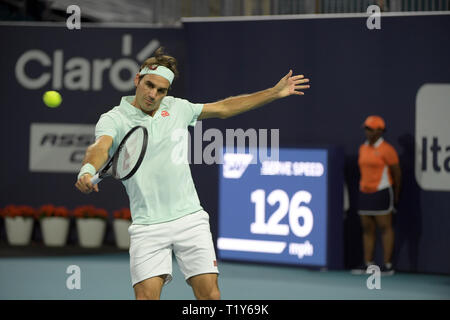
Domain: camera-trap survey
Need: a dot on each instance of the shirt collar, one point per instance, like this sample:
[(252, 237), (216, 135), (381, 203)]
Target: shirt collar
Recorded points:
[(377, 143), (130, 110)]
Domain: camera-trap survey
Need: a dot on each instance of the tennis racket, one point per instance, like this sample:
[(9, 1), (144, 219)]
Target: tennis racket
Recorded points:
[(127, 158)]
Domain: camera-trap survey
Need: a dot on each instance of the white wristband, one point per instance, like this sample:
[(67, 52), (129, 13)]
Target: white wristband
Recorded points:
[(87, 168)]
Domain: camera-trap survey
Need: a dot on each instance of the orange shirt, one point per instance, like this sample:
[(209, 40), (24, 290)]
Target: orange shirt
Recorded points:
[(374, 162)]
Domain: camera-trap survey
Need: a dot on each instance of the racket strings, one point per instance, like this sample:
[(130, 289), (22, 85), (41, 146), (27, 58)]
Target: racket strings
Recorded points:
[(129, 154)]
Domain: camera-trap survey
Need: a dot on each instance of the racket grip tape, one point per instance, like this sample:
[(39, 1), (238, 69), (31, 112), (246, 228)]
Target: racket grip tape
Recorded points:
[(96, 179)]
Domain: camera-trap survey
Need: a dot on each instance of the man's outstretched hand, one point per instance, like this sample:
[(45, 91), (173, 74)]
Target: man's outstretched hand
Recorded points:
[(290, 85)]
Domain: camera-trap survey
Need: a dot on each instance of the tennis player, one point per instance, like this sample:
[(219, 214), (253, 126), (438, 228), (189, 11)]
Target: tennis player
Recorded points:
[(166, 211)]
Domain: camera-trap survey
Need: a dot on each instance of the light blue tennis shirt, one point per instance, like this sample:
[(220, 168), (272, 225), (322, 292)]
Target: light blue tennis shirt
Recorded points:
[(162, 189)]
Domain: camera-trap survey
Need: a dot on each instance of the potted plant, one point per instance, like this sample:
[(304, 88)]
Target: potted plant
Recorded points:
[(18, 224), (91, 225), (122, 220), (54, 224)]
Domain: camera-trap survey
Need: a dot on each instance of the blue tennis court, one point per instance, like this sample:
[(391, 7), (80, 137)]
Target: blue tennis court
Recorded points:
[(106, 276)]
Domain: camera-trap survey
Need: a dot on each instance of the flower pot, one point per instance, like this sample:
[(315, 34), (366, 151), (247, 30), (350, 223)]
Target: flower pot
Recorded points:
[(121, 233), (90, 232), (18, 230), (55, 231)]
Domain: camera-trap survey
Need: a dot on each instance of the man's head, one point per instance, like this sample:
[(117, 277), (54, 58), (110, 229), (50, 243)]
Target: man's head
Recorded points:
[(374, 127), (153, 81)]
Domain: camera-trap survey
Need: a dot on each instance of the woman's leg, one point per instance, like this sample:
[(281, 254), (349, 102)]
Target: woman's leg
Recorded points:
[(384, 222), (369, 236)]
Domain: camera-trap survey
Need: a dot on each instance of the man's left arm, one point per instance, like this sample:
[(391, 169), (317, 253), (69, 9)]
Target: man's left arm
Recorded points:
[(229, 107)]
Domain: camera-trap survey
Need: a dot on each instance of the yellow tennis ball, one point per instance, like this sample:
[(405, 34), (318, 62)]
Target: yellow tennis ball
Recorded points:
[(52, 99)]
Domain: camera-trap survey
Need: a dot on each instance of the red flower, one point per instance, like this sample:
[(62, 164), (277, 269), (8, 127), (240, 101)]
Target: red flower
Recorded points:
[(89, 211), (123, 213), (49, 210), (13, 211), (101, 213), (61, 212)]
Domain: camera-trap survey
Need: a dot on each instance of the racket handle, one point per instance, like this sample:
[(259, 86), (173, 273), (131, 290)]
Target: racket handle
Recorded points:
[(96, 179)]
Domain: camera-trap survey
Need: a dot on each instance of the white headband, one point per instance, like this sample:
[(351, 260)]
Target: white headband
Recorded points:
[(160, 71)]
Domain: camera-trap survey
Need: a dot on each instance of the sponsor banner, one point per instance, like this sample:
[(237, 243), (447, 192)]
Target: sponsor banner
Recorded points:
[(81, 73), (59, 147), (432, 165)]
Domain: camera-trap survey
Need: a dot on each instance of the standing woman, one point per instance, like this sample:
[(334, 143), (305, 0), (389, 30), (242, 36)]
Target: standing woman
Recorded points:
[(379, 190)]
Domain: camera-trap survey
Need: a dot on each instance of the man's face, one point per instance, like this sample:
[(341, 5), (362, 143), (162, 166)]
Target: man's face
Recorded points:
[(150, 90)]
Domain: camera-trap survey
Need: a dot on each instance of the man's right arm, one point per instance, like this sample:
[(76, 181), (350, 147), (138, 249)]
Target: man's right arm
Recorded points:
[(96, 155)]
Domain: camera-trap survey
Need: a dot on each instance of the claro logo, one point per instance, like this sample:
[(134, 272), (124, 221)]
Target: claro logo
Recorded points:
[(59, 147), (432, 163), (78, 73)]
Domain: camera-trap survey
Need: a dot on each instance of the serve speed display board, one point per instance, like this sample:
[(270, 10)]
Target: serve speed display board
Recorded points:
[(274, 211)]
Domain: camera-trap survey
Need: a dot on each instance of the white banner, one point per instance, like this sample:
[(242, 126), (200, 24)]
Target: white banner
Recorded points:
[(433, 137), (59, 147)]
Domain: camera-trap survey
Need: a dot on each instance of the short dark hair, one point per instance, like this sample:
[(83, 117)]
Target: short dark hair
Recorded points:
[(161, 59)]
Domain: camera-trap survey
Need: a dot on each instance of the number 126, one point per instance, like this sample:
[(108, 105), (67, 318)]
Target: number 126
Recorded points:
[(293, 207)]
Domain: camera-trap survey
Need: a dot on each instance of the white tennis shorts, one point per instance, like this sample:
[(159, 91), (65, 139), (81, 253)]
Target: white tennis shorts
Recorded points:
[(188, 237)]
